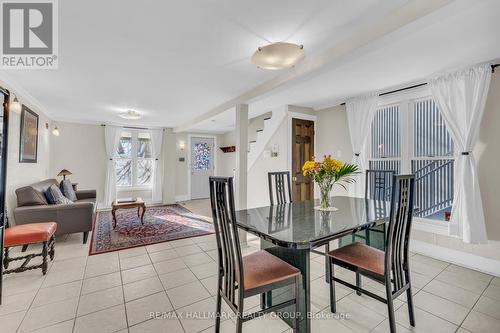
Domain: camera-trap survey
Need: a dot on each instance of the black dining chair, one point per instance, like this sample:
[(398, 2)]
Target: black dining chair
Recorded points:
[(378, 189), (280, 187), (390, 267), (242, 277)]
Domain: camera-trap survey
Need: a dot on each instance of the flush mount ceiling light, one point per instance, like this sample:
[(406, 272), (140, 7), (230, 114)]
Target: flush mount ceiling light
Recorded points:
[(279, 55), (131, 115)]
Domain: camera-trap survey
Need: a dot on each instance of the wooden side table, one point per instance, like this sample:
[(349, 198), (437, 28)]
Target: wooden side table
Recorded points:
[(138, 203)]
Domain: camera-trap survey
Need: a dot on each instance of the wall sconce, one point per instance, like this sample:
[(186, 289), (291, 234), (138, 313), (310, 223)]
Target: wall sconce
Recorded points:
[(55, 131), (182, 145), (15, 106), (275, 151)]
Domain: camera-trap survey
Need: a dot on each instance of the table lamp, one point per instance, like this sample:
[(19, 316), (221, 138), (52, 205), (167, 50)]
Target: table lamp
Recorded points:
[(64, 173)]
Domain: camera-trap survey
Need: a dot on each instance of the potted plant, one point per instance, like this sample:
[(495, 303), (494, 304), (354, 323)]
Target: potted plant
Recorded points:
[(328, 173)]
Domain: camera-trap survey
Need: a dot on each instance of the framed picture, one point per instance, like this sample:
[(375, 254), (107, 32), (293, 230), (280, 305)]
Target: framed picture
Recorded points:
[(28, 144)]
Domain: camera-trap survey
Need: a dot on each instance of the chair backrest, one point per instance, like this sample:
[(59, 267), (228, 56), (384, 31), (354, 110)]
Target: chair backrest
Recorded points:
[(398, 231), (228, 243), (279, 218), (378, 184), (280, 187)]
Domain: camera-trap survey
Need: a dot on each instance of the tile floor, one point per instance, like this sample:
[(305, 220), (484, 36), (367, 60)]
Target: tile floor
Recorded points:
[(116, 292)]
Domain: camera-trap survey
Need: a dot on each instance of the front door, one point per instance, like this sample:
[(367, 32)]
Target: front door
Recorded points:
[(202, 166), (303, 150)]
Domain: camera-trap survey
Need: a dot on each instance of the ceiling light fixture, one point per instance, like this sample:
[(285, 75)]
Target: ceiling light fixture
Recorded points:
[(15, 105), (131, 115), (279, 55)]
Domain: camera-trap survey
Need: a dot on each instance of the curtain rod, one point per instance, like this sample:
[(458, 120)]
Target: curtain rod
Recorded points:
[(421, 84)]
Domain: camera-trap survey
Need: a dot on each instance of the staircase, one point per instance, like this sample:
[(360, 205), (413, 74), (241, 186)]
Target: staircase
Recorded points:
[(258, 140)]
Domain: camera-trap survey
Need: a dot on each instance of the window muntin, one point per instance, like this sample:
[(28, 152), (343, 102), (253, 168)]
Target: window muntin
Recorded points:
[(134, 162), (411, 136)]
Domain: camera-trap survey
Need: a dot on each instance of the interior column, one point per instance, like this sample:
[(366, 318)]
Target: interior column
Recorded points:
[(240, 183)]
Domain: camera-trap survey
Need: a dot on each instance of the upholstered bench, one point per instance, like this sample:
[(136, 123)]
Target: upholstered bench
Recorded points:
[(25, 234)]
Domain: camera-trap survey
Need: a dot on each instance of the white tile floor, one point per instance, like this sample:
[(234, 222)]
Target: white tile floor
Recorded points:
[(116, 292)]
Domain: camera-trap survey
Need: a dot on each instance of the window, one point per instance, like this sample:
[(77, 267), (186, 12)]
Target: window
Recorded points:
[(134, 165), (409, 136)]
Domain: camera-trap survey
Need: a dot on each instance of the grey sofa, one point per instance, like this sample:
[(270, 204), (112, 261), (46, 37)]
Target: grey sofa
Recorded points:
[(33, 207)]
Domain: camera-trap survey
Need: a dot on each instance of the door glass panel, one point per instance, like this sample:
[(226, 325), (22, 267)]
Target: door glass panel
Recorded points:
[(202, 156)]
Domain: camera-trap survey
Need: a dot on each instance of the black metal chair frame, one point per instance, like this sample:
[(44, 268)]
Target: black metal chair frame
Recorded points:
[(280, 190), (379, 184), (396, 276), (231, 270)]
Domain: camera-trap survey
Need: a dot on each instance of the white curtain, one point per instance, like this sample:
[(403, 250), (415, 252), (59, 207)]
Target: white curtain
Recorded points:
[(156, 143), (360, 113), (112, 136), (461, 97)]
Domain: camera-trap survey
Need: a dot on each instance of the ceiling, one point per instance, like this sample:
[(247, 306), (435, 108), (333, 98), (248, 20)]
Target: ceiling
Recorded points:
[(457, 35), (174, 60), (184, 63)]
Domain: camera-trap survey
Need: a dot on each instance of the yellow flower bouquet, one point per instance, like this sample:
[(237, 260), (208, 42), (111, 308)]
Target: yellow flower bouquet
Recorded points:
[(328, 173)]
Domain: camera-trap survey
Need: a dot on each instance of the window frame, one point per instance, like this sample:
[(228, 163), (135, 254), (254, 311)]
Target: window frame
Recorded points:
[(135, 162), (406, 101)]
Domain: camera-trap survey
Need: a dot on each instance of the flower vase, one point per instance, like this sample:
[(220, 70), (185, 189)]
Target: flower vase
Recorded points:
[(325, 197)]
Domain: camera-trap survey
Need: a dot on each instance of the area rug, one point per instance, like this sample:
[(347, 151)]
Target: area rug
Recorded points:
[(161, 224)]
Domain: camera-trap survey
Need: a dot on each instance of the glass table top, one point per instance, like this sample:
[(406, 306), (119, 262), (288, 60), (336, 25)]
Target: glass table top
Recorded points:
[(298, 225)]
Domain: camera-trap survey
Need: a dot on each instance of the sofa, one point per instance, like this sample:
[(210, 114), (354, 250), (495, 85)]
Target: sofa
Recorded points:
[(33, 207)]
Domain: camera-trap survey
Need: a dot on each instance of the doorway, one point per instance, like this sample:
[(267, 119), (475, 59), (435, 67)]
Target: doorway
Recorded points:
[(302, 151), (202, 165)]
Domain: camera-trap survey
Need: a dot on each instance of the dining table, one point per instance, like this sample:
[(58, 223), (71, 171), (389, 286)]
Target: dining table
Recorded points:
[(292, 231)]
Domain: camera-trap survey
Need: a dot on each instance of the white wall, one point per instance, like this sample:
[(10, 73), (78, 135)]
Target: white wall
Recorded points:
[(80, 149), (332, 137), (21, 174), (169, 165), (257, 185), (182, 168), (227, 161)]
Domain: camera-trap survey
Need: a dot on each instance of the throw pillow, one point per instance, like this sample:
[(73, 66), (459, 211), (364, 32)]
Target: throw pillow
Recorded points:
[(67, 190), (59, 198), (49, 197)]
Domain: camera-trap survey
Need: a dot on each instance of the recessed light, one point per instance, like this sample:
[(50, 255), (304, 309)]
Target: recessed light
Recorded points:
[(131, 115), (279, 55)]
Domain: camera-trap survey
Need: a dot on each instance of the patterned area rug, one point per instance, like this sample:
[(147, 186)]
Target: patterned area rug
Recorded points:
[(161, 224)]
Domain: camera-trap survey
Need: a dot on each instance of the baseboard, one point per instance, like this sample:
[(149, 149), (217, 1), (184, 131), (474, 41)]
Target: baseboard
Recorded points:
[(182, 197), (468, 260)]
